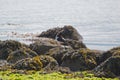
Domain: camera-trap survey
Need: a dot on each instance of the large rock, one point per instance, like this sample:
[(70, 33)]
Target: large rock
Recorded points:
[(51, 65), (50, 33), (48, 62), (36, 63), (109, 68), (68, 33), (59, 52), (3, 63), (28, 64), (112, 52), (44, 45), (8, 46), (20, 54), (74, 44), (83, 59)]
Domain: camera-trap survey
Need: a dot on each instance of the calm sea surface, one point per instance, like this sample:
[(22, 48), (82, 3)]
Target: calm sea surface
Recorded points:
[(98, 21)]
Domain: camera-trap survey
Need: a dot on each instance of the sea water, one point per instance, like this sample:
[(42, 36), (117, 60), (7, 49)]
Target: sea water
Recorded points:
[(98, 21)]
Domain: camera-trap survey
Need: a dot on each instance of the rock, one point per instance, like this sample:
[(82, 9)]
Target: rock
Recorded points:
[(4, 53), (64, 70), (112, 52), (58, 52), (8, 46), (44, 45), (69, 32), (48, 62), (3, 63), (72, 37), (37, 63), (20, 54), (75, 44), (28, 64), (79, 60), (51, 33), (109, 68)]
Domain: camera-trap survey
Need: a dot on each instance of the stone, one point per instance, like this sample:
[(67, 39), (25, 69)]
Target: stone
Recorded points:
[(28, 64), (68, 32), (8, 46), (112, 52), (58, 52), (48, 62), (80, 60), (75, 44), (20, 54), (109, 68), (44, 45)]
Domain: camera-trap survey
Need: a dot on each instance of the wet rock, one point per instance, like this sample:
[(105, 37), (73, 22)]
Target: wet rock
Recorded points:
[(44, 45), (109, 68), (28, 64), (20, 54), (68, 32), (79, 60), (8, 46), (58, 52)]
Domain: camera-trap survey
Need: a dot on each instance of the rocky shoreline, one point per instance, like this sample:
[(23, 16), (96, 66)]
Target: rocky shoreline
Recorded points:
[(50, 55)]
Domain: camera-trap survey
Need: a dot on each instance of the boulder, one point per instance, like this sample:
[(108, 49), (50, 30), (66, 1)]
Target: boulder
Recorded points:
[(44, 62), (44, 45), (50, 33), (109, 68), (48, 62), (79, 60), (20, 54), (74, 44), (58, 52), (3, 63), (28, 64), (8, 46), (112, 52), (68, 32)]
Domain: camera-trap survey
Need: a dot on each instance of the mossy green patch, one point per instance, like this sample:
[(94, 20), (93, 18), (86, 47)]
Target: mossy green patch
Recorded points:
[(10, 75)]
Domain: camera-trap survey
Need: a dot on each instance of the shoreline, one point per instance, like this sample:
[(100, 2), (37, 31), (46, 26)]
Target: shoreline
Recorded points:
[(53, 55), (29, 38)]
